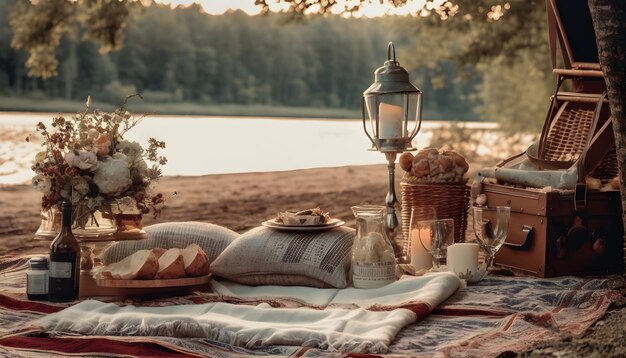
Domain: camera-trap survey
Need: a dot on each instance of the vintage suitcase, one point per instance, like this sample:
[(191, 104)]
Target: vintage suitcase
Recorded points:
[(547, 238), (576, 231)]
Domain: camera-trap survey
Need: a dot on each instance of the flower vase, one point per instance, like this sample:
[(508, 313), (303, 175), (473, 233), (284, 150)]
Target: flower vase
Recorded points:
[(87, 225), (50, 225), (93, 225)]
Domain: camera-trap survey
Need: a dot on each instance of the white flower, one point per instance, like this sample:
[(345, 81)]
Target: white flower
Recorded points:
[(82, 159), (42, 183), (120, 156), (112, 177), (132, 150)]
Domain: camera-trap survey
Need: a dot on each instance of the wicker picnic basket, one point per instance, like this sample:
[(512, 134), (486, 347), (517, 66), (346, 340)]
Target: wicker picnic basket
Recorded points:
[(450, 200), (570, 126)]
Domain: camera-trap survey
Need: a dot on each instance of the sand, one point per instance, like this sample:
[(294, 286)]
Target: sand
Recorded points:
[(243, 201), (235, 201)]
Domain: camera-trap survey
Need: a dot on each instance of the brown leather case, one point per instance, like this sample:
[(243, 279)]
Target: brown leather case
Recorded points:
[(548, 238)]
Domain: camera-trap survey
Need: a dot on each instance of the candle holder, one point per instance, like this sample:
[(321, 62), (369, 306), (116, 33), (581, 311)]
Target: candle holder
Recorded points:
[(393, 108)]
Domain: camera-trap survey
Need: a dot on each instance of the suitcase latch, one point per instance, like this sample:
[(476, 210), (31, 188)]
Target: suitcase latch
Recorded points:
[(580, 197)]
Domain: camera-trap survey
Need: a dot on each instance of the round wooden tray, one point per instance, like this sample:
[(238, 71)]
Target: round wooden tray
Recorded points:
[(174, 282)]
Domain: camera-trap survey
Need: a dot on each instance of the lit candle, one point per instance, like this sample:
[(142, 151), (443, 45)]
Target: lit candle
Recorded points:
[(463, 258), (390, 121), (420, 257)]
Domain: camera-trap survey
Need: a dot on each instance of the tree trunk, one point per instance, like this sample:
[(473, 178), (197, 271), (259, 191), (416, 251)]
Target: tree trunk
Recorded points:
[(609, 23)]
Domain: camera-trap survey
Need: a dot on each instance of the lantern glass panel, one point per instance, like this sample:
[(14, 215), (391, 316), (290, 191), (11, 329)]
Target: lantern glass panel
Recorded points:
[(391, 112), (413, 111)]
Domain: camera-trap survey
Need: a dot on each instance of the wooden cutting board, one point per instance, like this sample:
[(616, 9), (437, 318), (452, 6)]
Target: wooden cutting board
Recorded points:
[(98, 287)]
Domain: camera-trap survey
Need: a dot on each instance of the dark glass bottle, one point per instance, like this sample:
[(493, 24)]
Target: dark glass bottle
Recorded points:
[(64, 271)]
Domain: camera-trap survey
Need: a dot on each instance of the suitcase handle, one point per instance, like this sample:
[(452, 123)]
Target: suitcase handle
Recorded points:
[(527, 231)]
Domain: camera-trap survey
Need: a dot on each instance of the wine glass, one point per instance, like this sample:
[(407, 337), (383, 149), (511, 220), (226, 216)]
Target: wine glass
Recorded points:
[(490, 227), (435, 236)]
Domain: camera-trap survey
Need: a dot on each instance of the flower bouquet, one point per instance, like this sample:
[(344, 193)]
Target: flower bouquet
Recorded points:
[(87, 160)]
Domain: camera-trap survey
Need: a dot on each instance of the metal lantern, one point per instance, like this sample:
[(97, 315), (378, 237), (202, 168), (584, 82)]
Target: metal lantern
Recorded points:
[(392, 117), (393, 106)]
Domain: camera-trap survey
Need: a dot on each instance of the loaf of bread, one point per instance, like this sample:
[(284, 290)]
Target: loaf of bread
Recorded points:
[(159, 263)]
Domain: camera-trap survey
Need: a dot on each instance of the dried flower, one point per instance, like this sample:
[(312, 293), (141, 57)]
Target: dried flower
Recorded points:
[(102, 145), (42, 183), (85, 158)]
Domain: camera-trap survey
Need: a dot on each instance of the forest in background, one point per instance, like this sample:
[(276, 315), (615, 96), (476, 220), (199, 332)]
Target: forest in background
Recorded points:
[(182, 61)]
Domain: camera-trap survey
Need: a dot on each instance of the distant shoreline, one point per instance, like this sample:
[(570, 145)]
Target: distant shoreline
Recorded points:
[(46, 105)]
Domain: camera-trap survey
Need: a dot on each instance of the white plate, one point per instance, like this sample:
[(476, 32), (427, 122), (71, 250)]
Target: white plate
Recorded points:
[(333, 223)]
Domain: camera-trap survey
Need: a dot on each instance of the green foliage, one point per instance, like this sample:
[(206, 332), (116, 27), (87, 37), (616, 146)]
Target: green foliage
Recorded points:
[(115, 91), (507, 59), (468, 65)]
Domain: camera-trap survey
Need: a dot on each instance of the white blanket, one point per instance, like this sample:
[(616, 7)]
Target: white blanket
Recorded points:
[(353, 320)]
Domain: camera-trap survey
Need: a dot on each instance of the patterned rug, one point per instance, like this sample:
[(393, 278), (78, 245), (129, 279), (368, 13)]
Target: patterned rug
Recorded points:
[(497, 315)]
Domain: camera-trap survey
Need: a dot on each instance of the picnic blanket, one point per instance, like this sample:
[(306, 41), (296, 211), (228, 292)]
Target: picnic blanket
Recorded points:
[(497, 315)]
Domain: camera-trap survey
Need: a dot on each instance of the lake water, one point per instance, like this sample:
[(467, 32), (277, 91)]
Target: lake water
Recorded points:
[(213, 145)]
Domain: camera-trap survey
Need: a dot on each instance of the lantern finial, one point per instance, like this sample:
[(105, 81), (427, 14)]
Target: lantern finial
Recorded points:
[(391, 52)]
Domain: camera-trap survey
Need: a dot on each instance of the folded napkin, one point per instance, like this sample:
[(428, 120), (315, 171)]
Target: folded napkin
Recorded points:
[(352, 320)]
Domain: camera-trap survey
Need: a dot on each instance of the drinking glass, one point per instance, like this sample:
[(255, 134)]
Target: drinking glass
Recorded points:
[(435, 236), (490, 227)]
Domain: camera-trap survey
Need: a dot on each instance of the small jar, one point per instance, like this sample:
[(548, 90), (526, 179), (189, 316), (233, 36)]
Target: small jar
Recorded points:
[(37, 279)]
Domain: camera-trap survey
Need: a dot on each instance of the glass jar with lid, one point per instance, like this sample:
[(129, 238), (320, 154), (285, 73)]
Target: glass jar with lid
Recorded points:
[(373, 258), (37, 278)]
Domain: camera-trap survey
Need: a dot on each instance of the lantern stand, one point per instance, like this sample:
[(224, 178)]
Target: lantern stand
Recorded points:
[(392, 105)]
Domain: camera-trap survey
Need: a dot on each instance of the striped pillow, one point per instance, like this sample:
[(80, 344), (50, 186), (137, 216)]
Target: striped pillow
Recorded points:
[(213, 239), (264, 256)]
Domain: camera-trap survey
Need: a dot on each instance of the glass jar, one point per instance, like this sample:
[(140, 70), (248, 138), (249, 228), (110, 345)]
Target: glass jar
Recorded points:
[(88, 225), (373, 258), (92, 225), (37, 279)]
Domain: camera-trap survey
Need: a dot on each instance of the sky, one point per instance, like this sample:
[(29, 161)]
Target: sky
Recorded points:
[(371, 8)]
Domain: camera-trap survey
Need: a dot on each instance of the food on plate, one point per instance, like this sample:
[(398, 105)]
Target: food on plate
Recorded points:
[(306, 217), (171, 264), (196, 262), (143, 264), (430, 166), (158, 251), (159, 263)]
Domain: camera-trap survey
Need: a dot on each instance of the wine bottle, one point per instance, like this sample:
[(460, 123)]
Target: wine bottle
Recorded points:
[(64, 271)]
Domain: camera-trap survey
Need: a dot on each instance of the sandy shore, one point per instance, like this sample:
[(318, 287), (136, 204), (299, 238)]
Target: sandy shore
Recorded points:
[(243, 201), (236, 201)]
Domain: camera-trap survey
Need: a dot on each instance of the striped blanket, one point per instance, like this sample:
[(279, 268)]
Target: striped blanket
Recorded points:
[(497, 315)]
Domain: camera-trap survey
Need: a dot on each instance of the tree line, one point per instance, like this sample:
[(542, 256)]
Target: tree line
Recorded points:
[(182, 54)]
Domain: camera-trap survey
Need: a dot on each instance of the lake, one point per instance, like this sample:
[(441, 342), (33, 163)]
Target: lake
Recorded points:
[(198, 145)]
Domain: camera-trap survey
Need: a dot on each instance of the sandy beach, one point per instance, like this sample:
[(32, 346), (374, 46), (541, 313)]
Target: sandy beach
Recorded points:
[(236, 201)]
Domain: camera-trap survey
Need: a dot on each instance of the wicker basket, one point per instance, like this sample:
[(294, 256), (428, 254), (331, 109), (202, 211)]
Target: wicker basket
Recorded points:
[(451, 200), (567, 135)]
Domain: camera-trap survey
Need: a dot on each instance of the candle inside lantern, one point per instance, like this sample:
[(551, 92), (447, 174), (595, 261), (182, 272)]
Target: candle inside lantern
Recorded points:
[(420, 257), (463, 258), (390, 121)]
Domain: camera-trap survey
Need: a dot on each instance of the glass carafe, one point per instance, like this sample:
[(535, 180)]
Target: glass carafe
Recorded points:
[(373, 259)]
